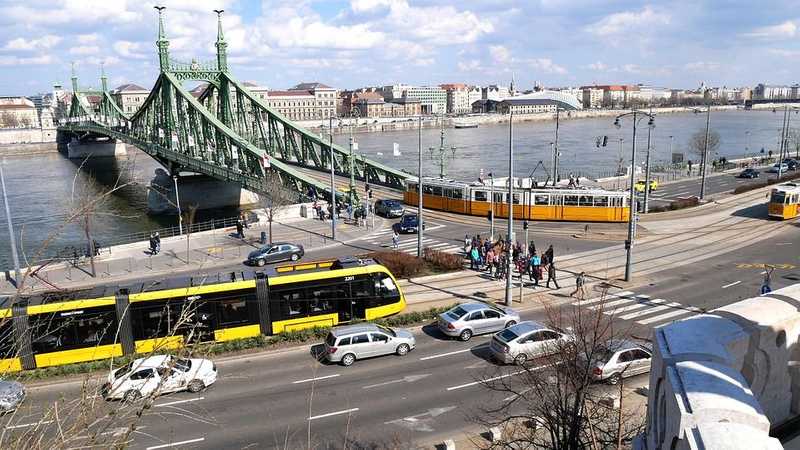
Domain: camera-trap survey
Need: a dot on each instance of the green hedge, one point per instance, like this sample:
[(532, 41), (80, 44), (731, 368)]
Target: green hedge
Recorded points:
[(238, 345)]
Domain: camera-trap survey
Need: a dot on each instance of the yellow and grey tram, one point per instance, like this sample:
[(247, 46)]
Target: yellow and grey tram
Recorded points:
[(784, 200)]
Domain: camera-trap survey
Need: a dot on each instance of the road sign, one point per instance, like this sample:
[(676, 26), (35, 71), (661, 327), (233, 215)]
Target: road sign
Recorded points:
[(265, 162)]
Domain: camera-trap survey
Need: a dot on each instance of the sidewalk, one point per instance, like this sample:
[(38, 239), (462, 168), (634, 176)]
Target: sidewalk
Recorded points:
[(206, 251)]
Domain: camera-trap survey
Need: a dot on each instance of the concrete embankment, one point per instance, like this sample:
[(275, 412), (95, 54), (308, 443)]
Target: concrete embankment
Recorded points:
[(35, 148)]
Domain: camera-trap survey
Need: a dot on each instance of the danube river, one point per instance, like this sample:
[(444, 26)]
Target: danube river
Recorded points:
[(41, 187)]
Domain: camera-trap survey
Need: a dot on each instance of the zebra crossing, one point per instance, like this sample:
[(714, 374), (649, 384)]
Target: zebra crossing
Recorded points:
[(408, 243), (641, 309)]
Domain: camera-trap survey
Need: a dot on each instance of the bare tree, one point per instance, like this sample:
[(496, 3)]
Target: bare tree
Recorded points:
[(9, 120), (553, 402), (697, 144), (275, 198), (793, 140)]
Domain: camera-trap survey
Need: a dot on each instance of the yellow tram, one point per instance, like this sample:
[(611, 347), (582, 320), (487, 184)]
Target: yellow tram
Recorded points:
[(530, 201), (783, 201), (62, 328)]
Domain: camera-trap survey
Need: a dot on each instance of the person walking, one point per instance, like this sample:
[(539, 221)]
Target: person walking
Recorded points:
[(157, 239), (580, 290), (531, 248), (551, 273), (490, 261), (549, 254), (765, 286), (535, 271), (467, 243), (395, 240), (474, 259), (240, 229), (350, 213), (152, 244)]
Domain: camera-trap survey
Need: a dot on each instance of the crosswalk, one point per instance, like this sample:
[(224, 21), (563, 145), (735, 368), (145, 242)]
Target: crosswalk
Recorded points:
[(408, 243), (642, 309)]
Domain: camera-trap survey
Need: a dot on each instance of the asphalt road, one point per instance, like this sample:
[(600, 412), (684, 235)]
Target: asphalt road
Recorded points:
[(715, 184)]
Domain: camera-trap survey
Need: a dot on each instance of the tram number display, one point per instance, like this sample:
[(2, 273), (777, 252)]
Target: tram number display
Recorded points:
[(350, 278)]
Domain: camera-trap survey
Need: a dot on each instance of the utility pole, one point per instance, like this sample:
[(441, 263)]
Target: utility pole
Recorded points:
[(784, 133), (705, 153), (420, 227), (178, 204), (333, 184), (647, 171), (14, 255), (555, 165), (440, 154), (510, 231), (491, 206), (353, 146)]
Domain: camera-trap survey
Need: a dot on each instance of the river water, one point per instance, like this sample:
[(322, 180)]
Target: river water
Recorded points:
[(40, 188)]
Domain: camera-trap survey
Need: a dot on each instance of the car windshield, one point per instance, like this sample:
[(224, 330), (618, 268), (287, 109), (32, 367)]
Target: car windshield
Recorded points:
[(507, 335), (410, 220), (387, 330), (604, 354), (183, 364), (330, 340), (456, 313), (392, 203), (495, 308), (123, 370)]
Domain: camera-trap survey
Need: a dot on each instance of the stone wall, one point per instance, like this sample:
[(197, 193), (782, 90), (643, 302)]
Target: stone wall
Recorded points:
[(723, 379), (24, 135), (28, 149)]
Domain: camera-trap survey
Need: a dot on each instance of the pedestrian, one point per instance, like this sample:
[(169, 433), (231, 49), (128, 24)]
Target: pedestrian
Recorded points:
[(531, 248), (580, 291), (350, 213), (152, 244), (395, 240), (240, 229), (765, 286), (474, 259), (467, 243), (551, 273), (157, 239), (490, 261), (535, 270), (549, 254)]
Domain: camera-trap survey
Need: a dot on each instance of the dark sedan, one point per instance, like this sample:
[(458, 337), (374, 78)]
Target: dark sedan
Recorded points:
[(791, 163), (277, 252), (389, 208), (748, 173), (409, 223)]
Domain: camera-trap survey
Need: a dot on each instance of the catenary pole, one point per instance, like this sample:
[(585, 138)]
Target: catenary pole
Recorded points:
[(510, 230), (333, 178), (420, 229), (14, 254)]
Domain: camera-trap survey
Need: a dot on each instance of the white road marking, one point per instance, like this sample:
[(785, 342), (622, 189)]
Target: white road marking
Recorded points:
[(316, 379), (175, 444), (784, 243), (662, 317), (445, 354), (441, 244), (452, 249), (499, 377), (514, 397), (601, 298), (406, 379), (435, 227), (178, 402), (681, 193), (731, 284), (26, 425), (610, 306), (624, 309), (344, 411), (647, 311)]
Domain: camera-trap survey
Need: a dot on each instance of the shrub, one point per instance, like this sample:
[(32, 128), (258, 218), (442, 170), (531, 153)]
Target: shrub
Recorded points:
[(401, 264), (443, 261), (684, 203)]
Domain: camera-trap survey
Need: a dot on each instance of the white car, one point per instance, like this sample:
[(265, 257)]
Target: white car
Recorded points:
[(159, 374), (526, 341)]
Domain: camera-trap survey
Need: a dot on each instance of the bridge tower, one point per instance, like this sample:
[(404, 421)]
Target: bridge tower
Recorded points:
[(222, 66)]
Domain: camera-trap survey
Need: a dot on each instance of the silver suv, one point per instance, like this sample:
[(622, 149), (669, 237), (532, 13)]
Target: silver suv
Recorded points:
[(469, 319), (621, 358), (526, 341), (347, 344)]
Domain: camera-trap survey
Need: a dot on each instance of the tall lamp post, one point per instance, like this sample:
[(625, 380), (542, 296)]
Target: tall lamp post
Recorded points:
[(14, 255), (178, 204), (440, 155), (420, 226), (491, 206), (637, 115), (704, 161), (784, 136), (646, 208), (333, 176), (510, 230), (354, 114)]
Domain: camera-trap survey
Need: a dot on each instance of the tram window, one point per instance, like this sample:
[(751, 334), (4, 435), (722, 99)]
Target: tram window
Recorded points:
[(570, 200), (541, 199), (157, 319), (499, 197), (601, 200), (412, 187), (481, 196), (585, 200), (516, 199), (777, 197), (232, 312), (456, 193), (7, 348), (72, 329), (322, 299)]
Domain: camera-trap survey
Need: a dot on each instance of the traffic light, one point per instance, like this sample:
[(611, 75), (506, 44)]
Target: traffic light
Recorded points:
[(369, 193), (525, 225), (605, 141)]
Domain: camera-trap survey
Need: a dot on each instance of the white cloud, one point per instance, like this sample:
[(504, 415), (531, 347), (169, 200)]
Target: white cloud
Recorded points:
[(439, 25), (88, 11), (546, 65), (424, 62), (500, 54), (302, 32), (784, 52), (469, 65), (88, 38), (598, 66), (783, 30), (128, 49), (702, 66), (32, 61), (84, 50), (360, 6), (620, 23), (43, 43)]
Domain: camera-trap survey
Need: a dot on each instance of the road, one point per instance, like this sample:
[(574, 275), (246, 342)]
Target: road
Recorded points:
[(715, 184)]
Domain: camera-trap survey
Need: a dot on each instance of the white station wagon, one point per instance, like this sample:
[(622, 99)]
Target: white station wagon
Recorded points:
[(156, 375)]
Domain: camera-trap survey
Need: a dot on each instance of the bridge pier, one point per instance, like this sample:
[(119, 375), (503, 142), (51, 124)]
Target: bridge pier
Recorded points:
[(77, 149), (201, 191)]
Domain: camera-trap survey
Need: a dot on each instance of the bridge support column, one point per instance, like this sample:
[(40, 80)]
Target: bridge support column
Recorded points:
[(195, 190), (102, 148)]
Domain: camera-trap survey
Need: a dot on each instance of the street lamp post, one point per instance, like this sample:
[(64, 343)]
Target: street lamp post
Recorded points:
[(491, 207), (333, 178), (510, 231), (632, 208), (747, 144), (14, 255), (555, 149), (178, 204), (420, 226), (354, 113), (705, 154), (784, 137), (647, 171)]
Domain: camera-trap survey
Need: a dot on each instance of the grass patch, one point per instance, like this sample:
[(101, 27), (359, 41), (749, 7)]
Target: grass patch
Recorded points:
[(230, 347)]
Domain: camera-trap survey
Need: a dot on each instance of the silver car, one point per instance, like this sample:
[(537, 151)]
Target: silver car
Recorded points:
[(621, 358), (526, 341), (347, 344), (12, 394), (469, 319)]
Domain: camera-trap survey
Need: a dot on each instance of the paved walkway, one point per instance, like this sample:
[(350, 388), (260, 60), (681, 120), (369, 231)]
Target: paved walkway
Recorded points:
[(205, 251)]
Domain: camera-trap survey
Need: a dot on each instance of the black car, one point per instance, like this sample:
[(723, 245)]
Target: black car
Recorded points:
[(791, 163), (389, 208), (408, 224), (748, 173), (279, 251)]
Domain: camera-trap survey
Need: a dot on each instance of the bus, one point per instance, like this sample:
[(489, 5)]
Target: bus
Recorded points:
[(783, 201), (531, 202), (63, 328)]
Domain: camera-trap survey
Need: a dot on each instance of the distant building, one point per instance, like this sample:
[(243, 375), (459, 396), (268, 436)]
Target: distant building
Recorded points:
[(592, 97), (129, 97), (324, 97), (294, 104), (771, 92), (484, 106), (432, 99), (460, 97), (378, 108), (18, 112), (494, 92), (539, 102)]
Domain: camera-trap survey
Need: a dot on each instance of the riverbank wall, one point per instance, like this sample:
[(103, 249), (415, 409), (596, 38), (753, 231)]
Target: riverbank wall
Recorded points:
[(27, 149)]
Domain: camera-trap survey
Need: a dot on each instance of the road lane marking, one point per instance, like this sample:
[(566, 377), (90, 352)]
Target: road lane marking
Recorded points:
[(405, 379), (731, 284), (647, 311), (441, 355), (661, 317), (681, 193), (499, 377), (316, 379), (26, 425), (345, 411), (178, 402), (175, 444), (601, 298), (784, 243)]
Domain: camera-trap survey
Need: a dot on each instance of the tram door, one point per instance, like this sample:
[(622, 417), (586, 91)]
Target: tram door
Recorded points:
[(200, 321)]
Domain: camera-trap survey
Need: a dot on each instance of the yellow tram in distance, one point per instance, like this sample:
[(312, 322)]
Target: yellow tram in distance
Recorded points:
[(783, 201), (531, 202)]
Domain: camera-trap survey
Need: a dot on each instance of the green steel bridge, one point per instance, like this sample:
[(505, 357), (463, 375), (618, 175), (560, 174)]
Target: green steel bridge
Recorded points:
[(226, 133)]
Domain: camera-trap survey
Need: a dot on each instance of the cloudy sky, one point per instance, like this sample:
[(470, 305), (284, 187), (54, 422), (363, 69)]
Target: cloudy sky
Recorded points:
[(352, 43)]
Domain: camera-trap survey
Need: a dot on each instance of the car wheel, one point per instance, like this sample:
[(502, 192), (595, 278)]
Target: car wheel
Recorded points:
[(195, 386), (465, 335), (261, 263), (348, 359), (614, 379), (131, 396), (295, 256), (511, 323), (521, 359), (402, 349)]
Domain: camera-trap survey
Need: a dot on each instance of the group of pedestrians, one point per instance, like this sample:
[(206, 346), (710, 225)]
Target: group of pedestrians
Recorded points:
[(493, 256)]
